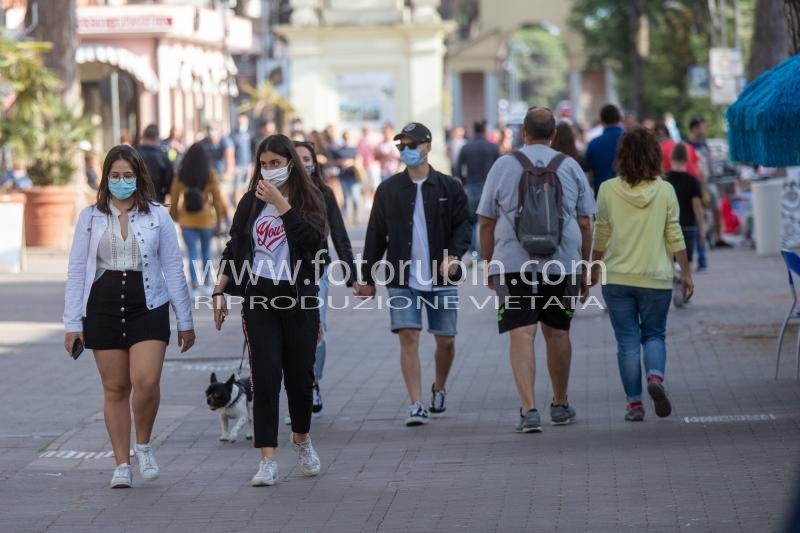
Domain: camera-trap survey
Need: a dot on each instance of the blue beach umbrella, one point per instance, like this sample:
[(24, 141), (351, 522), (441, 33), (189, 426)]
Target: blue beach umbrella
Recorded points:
[(764, 122)]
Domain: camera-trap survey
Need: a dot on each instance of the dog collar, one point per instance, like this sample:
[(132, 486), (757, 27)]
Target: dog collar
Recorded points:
[(240, 393)]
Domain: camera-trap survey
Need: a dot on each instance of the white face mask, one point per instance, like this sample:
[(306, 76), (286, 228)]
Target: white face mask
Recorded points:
[(277, 176)]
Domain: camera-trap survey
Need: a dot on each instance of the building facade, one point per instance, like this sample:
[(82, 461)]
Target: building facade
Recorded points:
[(475, 66), (367, 61), (167, 62)]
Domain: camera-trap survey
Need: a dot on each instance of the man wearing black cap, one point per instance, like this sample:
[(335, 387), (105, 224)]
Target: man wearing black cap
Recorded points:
[(420, 220)]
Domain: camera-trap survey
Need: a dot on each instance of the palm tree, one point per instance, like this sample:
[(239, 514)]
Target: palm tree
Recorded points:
[(263, 101), (793, 22), (58, 24), (770, 42)]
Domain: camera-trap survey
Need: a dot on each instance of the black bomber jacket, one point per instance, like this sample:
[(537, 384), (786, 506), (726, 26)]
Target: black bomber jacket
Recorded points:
[(391, 222)]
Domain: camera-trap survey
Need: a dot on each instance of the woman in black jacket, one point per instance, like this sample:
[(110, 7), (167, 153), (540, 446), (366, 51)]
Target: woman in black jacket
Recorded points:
[(343, 250), (275, 238)]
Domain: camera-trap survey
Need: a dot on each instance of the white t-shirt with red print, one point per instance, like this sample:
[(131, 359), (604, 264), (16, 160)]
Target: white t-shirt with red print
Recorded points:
[(271, 250)]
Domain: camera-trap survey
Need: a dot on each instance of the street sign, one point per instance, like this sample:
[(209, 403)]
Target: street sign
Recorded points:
[(724, 90), (698, 79), (727, 69), (726, 62)]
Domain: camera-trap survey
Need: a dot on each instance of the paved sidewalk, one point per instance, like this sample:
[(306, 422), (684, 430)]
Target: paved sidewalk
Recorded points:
[(725, 461)]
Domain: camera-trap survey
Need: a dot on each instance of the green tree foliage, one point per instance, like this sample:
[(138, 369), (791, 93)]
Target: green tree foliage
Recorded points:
[(680, 35), (40, 127), (540, 61)]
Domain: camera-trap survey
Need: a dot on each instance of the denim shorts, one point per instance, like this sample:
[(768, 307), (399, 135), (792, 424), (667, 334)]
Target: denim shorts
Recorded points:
[(405, 310)]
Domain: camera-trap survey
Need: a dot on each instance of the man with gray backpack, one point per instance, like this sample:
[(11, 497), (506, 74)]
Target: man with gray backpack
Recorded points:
[(535, 229)]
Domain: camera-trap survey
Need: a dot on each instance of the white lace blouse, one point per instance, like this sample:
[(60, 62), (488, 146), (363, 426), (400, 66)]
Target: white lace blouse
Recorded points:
[(114, 252)]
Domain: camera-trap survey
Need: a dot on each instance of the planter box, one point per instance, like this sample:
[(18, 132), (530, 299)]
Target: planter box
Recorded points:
[(49, 213)]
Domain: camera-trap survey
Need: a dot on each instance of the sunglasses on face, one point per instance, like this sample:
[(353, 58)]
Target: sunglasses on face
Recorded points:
[(402, 147)]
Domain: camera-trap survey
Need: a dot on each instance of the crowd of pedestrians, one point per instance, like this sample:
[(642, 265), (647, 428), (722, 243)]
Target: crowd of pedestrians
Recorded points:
[(543, 213)]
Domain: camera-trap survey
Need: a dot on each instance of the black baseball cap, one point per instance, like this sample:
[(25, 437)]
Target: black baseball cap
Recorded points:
[(416, 132)]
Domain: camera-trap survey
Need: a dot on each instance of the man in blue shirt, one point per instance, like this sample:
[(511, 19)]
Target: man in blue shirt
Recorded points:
[(602, 151)]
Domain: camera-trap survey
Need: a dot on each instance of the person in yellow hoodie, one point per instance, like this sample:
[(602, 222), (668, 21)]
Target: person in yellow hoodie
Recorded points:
[(637, 234), (192, 197)]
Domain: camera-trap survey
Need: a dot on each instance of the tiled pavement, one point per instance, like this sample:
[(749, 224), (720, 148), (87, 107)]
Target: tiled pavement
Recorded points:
[(467, 471)]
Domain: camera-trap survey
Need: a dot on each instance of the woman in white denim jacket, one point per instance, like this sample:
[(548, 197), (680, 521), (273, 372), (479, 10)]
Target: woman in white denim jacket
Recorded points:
[(125, 268)]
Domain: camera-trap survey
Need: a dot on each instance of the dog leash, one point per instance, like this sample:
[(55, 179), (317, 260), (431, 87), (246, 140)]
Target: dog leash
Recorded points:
[(241, 363)]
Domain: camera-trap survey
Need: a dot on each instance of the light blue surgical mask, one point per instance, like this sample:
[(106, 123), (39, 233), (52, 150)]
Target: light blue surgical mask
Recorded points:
[(310, 169), (411, 157), (122, 189)]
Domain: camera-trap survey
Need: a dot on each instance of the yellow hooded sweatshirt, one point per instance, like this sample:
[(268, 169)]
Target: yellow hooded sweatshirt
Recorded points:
[(638, 229)]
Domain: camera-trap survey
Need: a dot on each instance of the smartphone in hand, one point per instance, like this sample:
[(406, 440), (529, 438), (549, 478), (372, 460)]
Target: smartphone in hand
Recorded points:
[(77, 348)]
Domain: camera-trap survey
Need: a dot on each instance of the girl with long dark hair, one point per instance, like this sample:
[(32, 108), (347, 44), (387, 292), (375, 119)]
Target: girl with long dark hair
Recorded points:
[(125, 269), (276, 235), (564, 142), (344, 251)]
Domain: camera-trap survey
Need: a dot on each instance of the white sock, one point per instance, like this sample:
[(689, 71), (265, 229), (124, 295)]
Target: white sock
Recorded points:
[(142, 447)]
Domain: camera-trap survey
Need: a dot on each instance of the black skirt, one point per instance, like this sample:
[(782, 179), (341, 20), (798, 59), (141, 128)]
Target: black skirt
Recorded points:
[(117, 316)]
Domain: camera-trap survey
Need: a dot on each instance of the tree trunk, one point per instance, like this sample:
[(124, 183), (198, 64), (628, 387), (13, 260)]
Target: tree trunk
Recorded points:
[(793, 22), (58, 24), (770, 44), (635, 12)]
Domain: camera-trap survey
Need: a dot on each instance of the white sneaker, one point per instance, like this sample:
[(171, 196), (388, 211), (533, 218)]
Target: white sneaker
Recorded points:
[(123, 477), (147, 461), (307, 457), (267, 472), (417, 415)]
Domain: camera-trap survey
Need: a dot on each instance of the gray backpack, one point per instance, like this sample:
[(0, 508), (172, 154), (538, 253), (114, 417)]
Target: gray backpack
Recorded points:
[(538, 222)]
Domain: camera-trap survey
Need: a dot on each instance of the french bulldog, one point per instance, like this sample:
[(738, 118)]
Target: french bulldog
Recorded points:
[(232, 400)]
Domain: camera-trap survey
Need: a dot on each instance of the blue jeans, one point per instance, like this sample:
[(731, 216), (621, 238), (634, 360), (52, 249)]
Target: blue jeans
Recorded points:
[(702, 262), (193, 236), (639, 319), (351, 192), (319, 362)]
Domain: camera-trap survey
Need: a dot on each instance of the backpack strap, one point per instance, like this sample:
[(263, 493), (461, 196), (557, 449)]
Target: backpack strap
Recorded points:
[(556, 162), (553, 167), (528, 165), (523, 160)]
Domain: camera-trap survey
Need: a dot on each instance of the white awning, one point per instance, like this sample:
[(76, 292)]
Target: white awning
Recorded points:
[(122, 59)]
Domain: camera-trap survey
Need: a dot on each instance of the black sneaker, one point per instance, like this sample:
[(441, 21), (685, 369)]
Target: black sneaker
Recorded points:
[(316, 399), (661, 402), (437, 400)]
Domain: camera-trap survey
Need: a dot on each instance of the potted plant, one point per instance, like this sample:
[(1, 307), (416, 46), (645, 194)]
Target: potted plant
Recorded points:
[(43, 131)]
